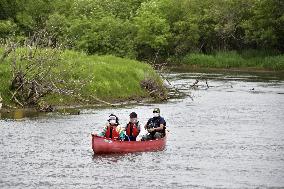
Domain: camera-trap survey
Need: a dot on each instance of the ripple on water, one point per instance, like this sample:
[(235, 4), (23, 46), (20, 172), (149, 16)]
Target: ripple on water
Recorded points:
[(227, 136)]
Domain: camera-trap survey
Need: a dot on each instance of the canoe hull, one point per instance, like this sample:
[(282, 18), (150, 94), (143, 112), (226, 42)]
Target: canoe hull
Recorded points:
[(102, 145)]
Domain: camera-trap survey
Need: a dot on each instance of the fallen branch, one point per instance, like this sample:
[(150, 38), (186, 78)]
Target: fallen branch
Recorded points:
[(17, 101), (194, 84), (99, 100), (16, 91), (207, 84)]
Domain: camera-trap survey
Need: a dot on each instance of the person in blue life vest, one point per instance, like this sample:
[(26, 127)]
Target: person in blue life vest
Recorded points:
[(132, 128), (156, 126), (112, 129)]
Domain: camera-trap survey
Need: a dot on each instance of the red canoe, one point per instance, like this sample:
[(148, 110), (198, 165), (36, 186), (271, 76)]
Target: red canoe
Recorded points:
[(102, 145)]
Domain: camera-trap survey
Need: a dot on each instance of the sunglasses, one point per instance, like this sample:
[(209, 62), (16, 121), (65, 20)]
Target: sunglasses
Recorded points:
[(155, 112)]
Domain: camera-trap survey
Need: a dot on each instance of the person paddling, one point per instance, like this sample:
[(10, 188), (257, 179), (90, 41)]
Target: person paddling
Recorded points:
[(112, 129), (132, 128), (156, 126)]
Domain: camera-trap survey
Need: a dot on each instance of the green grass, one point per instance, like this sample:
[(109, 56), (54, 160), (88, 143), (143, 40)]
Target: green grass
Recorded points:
[(108, 78), (5, 79), (233, 59)]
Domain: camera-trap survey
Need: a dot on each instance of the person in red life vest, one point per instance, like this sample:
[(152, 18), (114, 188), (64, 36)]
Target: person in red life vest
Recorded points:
[(132, 128), (112, 129), (156, 126)]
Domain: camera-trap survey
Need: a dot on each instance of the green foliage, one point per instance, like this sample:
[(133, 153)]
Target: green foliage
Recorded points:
[(265, 27), (8, 9), (149, 29), (56, 26), (7, 28), (105, 77), (106, 36), (152, 30), (233, 59), (5, 78)]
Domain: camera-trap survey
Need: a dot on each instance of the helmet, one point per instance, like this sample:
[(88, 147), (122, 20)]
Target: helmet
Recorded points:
[(133, 115), (156, 110)]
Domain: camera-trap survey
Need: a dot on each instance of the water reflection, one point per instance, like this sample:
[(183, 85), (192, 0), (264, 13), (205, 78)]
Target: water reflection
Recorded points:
[(19, 114)]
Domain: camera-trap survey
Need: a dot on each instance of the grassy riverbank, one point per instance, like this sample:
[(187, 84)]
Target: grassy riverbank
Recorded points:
[(89, 79), (233, 59)]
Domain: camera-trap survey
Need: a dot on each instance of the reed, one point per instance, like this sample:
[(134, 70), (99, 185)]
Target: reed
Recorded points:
[(233, 59)]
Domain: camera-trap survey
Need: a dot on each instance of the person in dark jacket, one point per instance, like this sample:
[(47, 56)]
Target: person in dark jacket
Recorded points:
[(132, 128), (156, 126)]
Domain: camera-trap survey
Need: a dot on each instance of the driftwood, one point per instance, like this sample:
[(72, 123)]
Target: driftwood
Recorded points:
[(206, 83), (0, 102), (154, 89), (31, 69), (194, 84), (102, 101), (16, 100)]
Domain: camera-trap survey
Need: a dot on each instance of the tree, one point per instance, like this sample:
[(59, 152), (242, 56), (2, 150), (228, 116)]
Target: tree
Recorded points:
[(153, 30), (8, 9), (7, 28), (108, 35), (265, 28)]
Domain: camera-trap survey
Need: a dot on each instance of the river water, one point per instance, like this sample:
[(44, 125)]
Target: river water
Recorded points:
[(230, 135)]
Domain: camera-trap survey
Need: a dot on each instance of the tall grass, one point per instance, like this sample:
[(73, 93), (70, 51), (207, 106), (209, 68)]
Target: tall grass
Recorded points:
[(5, 79), (108, 78), (233, 59)]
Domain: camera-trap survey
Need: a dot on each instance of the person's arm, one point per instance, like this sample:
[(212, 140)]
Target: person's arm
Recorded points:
[(121, 131), (161, 127), (146, 125), (149, 129), (103, 131), (139, 127), (156, 129)]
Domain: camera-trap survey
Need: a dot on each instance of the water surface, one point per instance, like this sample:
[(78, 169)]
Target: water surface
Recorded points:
[(230, 135)]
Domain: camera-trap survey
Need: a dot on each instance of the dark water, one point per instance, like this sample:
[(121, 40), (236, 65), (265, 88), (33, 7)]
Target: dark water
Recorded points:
[(229, 136)]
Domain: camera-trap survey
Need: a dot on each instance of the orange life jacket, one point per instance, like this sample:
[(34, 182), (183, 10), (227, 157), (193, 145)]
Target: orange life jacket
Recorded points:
[(111, 132), (132, 129)]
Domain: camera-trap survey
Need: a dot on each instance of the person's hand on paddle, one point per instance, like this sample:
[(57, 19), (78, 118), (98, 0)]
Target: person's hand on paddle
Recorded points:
[(151, 130)]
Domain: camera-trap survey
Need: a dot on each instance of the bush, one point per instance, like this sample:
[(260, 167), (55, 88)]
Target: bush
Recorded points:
[(7, 28), (84, 79), (233, 59)]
